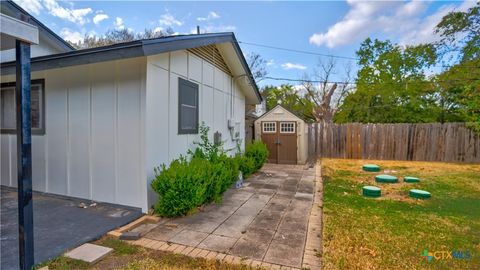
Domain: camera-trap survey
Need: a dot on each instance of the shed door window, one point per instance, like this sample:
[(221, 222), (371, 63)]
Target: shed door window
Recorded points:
[(187, 107), (269, 127), (287, 127), (7, 107)]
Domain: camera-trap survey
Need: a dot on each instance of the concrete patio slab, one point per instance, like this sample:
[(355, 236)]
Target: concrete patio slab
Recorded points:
[(218, 243), (265, 221), (189, 238), (88, 253)]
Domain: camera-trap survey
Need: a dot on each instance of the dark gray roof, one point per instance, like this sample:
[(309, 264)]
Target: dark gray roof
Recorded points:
[(17, 10), (134, 49)]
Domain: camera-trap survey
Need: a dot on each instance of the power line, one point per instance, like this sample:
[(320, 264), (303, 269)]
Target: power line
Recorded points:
[(298, 51), (392, 83), (330, 55)]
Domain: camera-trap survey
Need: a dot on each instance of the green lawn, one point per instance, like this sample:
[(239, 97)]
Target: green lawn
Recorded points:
[(393, 231)]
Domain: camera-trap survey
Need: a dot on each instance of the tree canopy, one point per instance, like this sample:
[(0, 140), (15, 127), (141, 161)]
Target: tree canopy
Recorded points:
[(393, 87), (291, 99), (114, 36)]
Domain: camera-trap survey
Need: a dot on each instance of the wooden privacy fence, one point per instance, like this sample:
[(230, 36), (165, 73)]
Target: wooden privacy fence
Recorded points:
[(451, 142)]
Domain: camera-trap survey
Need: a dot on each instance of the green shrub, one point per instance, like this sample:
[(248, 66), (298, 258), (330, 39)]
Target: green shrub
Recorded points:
[(225, 171), (258, 151), (246, 164), (182, 186), (187, 184)]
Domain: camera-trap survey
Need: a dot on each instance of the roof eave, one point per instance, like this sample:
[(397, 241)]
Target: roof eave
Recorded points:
[(135, 49), (42, 27)]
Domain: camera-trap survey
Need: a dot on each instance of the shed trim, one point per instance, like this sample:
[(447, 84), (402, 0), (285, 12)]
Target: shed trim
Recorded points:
[(271, 111)]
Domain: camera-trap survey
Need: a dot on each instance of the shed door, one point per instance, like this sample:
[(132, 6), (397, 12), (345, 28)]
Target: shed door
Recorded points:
[(281, 141), (269, 137), (287, 140)]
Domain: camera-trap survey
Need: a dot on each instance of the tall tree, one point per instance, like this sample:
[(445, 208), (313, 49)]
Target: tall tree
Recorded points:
[(459, 85), (326, 96), (258, 65), (291, 98), (391, 86)]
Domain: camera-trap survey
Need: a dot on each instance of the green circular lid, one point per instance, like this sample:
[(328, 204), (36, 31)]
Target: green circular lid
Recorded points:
[(371, 168), (385, 178), (411, 179), (419, 194), (371, 191), (371, 188)]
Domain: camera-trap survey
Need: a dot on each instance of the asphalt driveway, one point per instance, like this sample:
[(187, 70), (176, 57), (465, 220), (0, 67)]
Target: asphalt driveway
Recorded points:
[(59, 224)]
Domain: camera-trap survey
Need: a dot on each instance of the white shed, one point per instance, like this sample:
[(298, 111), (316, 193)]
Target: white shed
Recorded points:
[(103, 118), (285, 134)]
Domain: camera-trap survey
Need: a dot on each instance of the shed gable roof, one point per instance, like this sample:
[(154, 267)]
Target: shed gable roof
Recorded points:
[(277, 109)]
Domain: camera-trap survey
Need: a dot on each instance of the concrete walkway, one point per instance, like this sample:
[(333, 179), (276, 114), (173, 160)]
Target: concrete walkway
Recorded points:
[(266, 221)]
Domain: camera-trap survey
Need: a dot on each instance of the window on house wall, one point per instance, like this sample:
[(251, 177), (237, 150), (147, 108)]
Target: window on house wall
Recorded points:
[(269, 127), (7, 107), (187, 107)]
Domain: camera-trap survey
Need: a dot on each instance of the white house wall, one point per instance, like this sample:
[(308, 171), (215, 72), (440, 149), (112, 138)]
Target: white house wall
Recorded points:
[(94, 134), (163, 143)]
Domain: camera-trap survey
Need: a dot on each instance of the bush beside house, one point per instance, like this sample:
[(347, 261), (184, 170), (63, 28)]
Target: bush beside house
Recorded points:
[(187, 183)]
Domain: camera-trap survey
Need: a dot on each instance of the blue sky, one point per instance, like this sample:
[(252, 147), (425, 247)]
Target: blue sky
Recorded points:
[(325, 27)]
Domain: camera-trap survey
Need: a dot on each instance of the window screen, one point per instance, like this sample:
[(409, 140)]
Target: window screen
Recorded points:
[(7, 107), (187, 107)]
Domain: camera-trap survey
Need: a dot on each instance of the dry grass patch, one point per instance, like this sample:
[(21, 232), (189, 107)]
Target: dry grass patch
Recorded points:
[(130, 257), (392, 232)]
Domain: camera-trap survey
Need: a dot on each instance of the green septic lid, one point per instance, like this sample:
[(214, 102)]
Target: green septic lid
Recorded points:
[(411, 179), (419, 194), (371, 188), (385, 178), (371, 191), (371, 168)]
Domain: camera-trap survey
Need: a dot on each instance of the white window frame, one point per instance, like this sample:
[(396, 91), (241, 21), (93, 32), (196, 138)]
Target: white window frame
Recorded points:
[(269, 131), (286, 125)]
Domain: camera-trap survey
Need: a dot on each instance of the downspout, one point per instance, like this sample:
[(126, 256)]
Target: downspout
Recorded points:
[(232, 122)]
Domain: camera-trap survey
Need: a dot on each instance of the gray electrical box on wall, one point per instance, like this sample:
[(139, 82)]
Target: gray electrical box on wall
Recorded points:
[(217, 137)]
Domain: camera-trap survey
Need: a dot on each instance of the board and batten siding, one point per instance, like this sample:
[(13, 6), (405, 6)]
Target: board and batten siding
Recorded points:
[(216, 106), (107, 125), (93, 146)]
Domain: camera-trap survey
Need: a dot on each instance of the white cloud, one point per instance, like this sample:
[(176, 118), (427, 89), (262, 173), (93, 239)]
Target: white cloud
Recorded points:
[(158, 29), (99, 17), (399, 19), (32, 6), (78, 16), (271, 62), (168, 19), (119, 24), (211, 15), (72, 36), (423, 32), (289, 66)]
